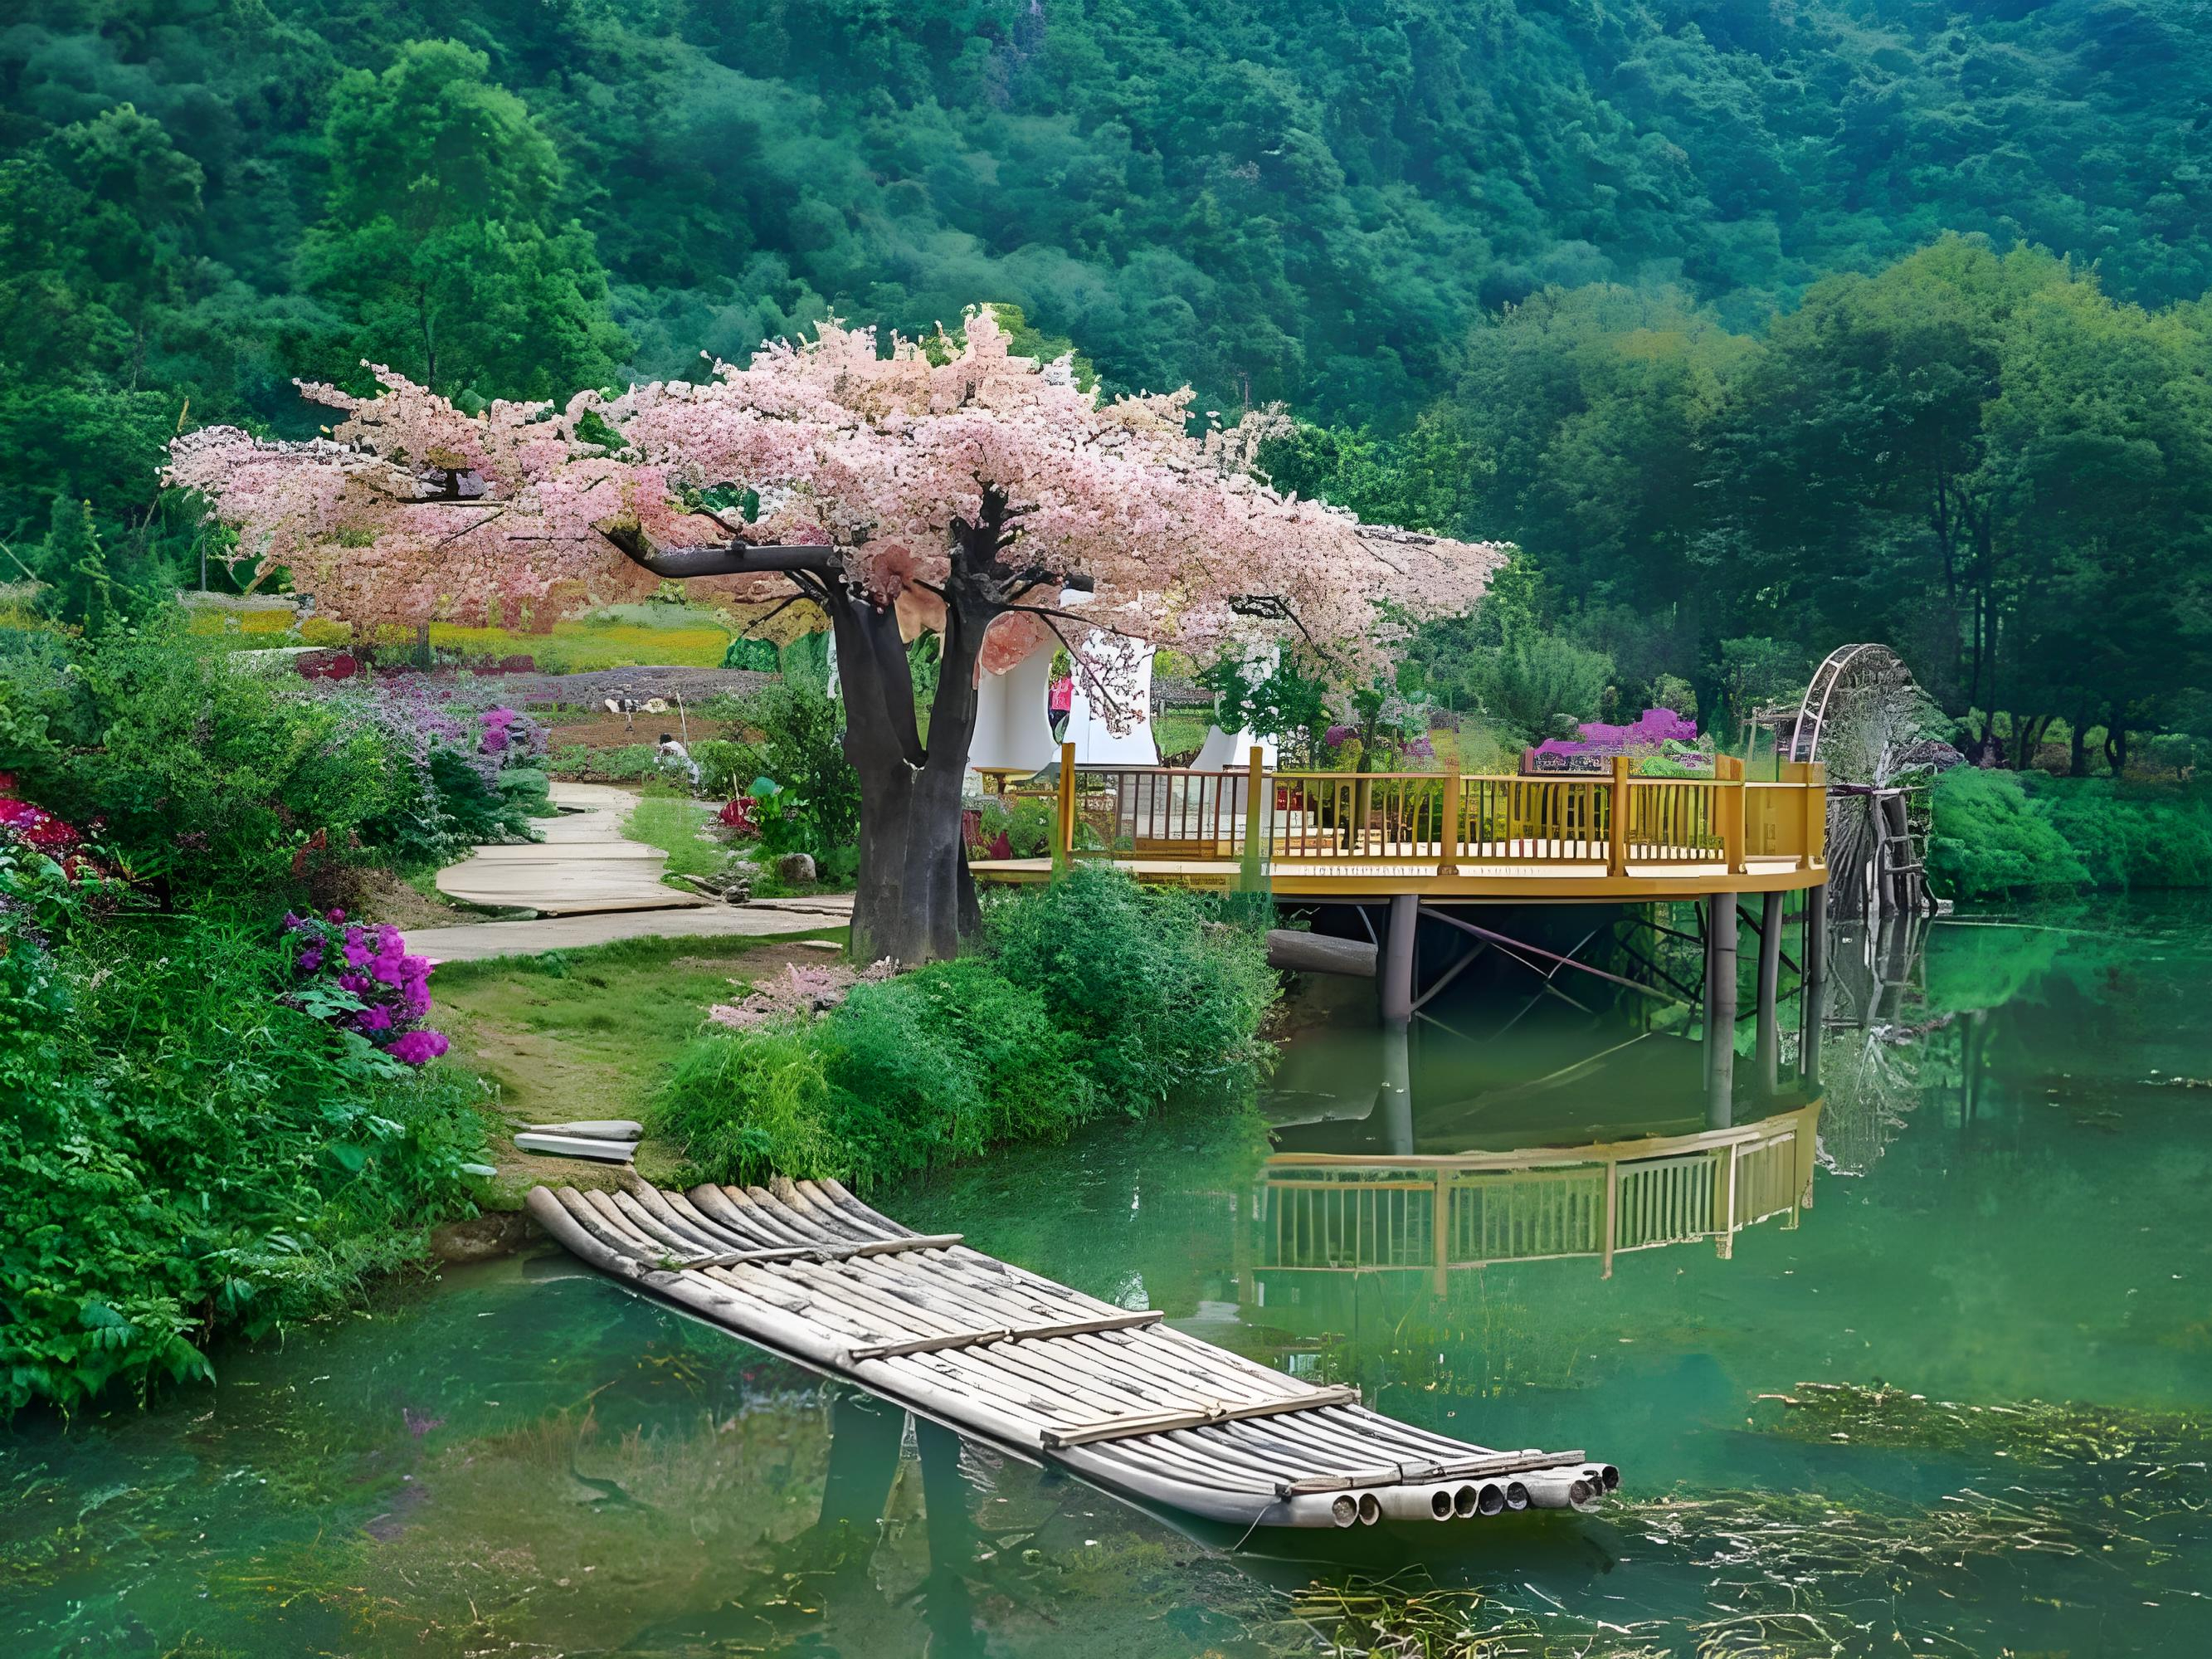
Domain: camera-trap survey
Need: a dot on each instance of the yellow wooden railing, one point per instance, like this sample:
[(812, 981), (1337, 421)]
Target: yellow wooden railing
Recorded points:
[(1334, 1214), (1439, 820)]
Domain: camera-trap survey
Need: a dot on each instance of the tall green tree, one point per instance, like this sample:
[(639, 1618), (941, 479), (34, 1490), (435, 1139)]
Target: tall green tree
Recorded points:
[(443, 253)]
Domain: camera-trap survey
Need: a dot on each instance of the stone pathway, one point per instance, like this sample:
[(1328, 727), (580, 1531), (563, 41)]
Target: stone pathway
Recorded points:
[(594, 887), (583, 865)]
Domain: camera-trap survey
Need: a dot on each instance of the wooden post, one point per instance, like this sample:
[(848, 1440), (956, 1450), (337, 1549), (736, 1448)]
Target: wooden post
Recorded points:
[(1257, 814), (1720, 1012), (1612, 1214), (1454, 807), (1440, 1232), (1768, 1013), (1724, 1198), (1728, 773), (1066, 828), (1397, 984), (1616, 830)]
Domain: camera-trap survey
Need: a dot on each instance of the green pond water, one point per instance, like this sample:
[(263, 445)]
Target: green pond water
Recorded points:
[(2010, 1207)]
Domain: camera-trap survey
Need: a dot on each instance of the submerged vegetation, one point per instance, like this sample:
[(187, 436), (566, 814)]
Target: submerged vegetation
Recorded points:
[(1092, 995)]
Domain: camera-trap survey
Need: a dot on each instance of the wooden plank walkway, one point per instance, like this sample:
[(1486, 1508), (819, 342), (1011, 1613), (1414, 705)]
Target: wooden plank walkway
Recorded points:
[(1114, 1395)]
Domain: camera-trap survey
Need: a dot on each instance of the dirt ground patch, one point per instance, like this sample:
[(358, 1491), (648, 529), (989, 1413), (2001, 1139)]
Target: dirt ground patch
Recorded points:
[(382, 897)]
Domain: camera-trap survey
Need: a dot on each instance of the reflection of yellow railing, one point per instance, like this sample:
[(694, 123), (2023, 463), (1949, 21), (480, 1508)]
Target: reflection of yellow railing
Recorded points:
[(1436, 821), (1321, 1212)]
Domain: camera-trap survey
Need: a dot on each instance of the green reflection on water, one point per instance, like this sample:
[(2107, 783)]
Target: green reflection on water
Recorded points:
[(2010, 1207)]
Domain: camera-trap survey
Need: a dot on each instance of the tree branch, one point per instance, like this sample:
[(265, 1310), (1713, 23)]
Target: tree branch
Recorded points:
[(737, 559)]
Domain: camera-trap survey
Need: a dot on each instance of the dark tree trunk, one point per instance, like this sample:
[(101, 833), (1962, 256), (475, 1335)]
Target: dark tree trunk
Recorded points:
[(914, 900), (2078, 751)]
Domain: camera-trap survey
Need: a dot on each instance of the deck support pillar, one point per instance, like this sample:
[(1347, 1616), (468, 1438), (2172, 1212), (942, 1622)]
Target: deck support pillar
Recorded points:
[(1813, 994), (1769, 1016), (864, 1436), (1397, 980), (1393, 1115), (1720, 1011)]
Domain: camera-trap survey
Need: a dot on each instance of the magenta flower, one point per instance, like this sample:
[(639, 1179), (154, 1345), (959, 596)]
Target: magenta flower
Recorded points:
[(418, 1047), (311, 958), (334, 917), (372, 1019)]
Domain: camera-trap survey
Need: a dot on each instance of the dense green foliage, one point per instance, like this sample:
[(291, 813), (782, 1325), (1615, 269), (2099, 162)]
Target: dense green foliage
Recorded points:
[(207, 775), (1093, 995), (1270, 200), (1985, 460), (1999, 834), (182, 1153)]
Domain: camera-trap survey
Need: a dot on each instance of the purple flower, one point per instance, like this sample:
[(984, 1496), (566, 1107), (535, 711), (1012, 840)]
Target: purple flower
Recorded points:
[(388, 942), (1337, 734), (356, 983), (416, 1047), (334, 917), (373, 1020), (292, 924), (311, 958)]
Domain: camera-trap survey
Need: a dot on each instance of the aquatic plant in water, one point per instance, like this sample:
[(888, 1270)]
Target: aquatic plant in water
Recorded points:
[(2154, 1446), (1408, 1616)]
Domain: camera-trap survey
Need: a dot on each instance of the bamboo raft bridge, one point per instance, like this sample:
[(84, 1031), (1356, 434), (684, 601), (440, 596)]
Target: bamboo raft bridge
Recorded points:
[(1116, 1397)]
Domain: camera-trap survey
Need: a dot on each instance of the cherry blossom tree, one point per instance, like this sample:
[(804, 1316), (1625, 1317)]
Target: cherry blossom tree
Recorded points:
[(948, 485)]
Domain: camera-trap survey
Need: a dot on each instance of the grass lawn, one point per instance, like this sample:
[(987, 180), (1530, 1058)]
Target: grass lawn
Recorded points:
[(672, 824), (689, 639), (589, 1034)]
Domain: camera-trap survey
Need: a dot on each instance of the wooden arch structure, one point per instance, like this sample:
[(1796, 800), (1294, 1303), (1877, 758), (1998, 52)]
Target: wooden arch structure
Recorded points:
[(1844, 674), (1862, 715)]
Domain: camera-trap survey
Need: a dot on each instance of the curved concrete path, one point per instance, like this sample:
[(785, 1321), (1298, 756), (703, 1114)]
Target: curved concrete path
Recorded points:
[(596, 887), (583, 865)]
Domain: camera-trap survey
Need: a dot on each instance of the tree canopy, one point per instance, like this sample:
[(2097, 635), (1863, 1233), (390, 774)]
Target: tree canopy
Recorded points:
[(1383, 216)]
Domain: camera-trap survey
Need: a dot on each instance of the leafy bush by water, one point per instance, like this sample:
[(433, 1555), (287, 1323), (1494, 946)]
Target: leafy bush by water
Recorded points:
[(2005, 833), (1092, 994), (184, 1152), (1160, 995)]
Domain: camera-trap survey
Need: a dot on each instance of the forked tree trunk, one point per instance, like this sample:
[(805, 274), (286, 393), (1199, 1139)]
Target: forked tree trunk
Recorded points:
[(914, 900)]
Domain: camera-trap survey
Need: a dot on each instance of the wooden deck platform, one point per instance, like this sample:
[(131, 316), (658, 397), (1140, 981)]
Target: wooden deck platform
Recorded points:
[(1112, 1394), (1563, 881), (1616, 837)]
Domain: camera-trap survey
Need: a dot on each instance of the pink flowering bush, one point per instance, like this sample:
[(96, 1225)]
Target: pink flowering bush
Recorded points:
[(362, 980), (796, 993)]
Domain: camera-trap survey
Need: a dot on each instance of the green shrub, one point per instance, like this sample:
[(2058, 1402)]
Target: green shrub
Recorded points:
[(934, 1065), (1999, 832), (184, 1154), (1160, 994), (795, 737), (746, 1107), (205, 776), (1020, 1044), (633, 763), (1988, 838)]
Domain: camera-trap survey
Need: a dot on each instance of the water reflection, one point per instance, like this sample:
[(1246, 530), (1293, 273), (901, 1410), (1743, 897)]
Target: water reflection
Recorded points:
[(523, 1462)]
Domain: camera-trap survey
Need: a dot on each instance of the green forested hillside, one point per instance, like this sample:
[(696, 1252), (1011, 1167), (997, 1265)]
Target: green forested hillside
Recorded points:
[(202, 199)]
